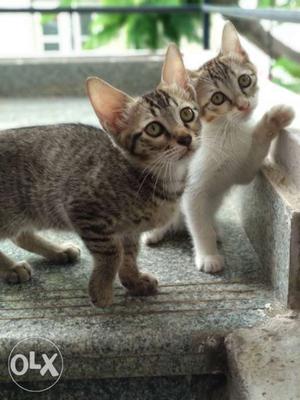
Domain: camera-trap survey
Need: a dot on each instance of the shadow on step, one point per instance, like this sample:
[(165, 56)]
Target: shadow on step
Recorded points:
[(201, 387)]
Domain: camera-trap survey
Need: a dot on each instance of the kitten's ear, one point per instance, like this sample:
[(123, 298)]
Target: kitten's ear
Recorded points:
[(108, 102), (173, 70), (230, 41)]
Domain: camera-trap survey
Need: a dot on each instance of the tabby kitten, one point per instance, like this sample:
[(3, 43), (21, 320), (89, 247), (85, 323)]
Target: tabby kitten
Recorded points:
[(233, 147), (108, 188)]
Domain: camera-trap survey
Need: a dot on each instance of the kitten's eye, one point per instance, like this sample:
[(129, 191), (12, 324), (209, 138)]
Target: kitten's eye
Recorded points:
[(187, 114), (244, 81), (218, 98), (154, 129)]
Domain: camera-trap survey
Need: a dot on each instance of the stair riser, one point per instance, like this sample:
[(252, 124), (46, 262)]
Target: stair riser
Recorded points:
[(264, 362), (207, 387), (67, 77), (273, 228)]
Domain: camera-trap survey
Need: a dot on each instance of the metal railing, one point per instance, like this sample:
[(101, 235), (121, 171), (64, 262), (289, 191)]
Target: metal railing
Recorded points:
[(271, 14), (123, 10), (107, 10), (203, 10)]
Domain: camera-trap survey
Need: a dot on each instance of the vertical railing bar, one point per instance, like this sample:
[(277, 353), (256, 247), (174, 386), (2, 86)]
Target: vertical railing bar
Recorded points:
[(206, 28)]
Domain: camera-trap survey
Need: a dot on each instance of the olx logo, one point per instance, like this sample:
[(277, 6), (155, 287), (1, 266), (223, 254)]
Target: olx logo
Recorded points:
[(35, 364), (31, 364)]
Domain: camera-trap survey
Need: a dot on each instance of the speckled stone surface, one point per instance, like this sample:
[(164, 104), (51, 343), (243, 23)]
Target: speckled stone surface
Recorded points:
[(178, 331), (270, 212), (16, 112), (206, 387), (66, 77), (265, 362)]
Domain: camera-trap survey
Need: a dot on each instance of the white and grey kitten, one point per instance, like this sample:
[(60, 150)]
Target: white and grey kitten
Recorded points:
[(233, 146)]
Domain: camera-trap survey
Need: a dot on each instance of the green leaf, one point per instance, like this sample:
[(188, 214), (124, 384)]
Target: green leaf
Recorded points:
[(294, 87), (142, 30), (290, 66)]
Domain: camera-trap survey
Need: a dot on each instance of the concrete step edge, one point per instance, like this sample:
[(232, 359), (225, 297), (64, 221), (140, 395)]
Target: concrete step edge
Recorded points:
[(270, 214)]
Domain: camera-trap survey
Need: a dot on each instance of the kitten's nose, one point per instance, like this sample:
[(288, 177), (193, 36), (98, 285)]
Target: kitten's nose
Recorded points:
[(185, 140), (242, 105)]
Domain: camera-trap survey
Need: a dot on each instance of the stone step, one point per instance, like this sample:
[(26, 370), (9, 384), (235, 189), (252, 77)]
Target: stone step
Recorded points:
[(17, 112), (264, 362), (178, 332), (66, 76), (270, 213), (206, 387)]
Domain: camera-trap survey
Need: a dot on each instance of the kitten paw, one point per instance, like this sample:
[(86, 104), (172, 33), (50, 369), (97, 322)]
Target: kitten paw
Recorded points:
[(100, 297), (68, 254), (145, 285), (151, 238), (19, 273), (210, 264), (279, 117)]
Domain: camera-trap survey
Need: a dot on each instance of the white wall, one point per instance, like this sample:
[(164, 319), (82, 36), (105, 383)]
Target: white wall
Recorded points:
[(17, 36)]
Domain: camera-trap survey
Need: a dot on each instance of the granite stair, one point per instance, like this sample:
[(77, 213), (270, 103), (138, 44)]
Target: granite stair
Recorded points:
[(264, 362), (177, 334)]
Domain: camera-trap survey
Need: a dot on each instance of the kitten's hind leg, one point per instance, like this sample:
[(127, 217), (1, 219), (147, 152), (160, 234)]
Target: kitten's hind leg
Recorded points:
[(34, 243), (14, 272), (137, 283)]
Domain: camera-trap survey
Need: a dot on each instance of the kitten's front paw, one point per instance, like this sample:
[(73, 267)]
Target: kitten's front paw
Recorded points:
[(210, 264), (68, 254), (151, 238), (145, 285), (279, 117), (20, 272), (99, 296)]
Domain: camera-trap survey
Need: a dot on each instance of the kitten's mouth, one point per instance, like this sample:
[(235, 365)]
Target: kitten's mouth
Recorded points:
[(240, 115), (248, 111), (188, 152)]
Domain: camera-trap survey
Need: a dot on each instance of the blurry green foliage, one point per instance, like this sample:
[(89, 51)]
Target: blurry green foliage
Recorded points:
[(293, 86), (290, 78), (289, 66), (279, 3), (144, 30), (141, 30), (284, 71), (155, 30), (47, 18)]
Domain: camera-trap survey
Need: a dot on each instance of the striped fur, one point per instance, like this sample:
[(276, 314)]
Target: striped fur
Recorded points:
[(221, 75), (73, 177)]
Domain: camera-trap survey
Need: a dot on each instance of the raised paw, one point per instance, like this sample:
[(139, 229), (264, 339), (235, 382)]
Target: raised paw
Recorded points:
[(144, 285), (20, 272), (210, 263), (68, 254), (279, 117), (151, 238), (100, 296)]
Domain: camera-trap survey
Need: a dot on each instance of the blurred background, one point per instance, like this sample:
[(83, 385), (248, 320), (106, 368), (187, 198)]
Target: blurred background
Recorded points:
[(88, 33), (49, 47)]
